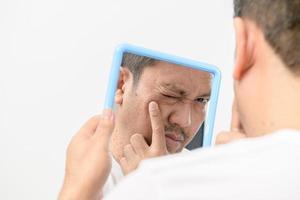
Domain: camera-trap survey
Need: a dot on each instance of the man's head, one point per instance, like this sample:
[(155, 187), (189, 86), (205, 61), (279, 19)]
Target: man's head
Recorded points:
[(181, 93), (267, 65)]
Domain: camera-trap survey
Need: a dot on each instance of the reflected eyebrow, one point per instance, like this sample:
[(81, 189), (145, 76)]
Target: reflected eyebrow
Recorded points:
[(180, 91), (205, 94), (174, 88)]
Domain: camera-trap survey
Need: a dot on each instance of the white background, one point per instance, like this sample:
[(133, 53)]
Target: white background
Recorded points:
[(54, 62)]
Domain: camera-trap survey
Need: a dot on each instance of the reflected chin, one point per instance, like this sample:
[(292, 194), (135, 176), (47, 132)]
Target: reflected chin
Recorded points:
[(173, 146)]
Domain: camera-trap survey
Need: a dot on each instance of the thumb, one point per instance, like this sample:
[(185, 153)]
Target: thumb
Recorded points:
[(226, 137), (105, 128)]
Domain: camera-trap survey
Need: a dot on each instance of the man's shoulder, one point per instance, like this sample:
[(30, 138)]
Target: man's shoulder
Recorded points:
[(246, 169), (254, 163)]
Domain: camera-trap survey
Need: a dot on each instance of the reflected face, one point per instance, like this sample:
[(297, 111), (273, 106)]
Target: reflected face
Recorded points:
[(182, 95)]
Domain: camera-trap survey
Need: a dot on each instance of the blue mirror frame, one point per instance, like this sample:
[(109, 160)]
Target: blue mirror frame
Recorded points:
[(114, 76)]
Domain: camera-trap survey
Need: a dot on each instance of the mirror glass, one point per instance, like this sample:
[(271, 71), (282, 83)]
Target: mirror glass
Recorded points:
[(182, 92)]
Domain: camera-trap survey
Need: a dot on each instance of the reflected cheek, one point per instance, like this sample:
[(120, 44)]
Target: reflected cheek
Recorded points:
[(197, 120), (189, 136), (200, 110), (193, 129)]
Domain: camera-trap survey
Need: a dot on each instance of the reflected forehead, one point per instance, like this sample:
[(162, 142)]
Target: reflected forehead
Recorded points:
[(174, 87), (182, 80), (170, 69), (176, 78), (185, 91)]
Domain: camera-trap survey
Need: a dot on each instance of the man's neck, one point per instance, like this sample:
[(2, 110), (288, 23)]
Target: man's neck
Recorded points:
[(283, 98)]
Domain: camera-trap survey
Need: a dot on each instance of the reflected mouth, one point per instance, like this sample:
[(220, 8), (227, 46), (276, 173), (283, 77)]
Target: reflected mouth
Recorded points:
[(174, 142), (176, 137)]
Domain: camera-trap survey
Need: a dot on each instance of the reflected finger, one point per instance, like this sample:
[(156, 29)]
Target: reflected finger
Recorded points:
[(129, 153), (139, 144)]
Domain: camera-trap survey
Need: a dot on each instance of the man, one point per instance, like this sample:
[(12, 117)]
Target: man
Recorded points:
[(263, 165), (182, 94)]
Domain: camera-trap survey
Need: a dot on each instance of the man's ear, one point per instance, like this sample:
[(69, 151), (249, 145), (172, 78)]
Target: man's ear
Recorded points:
[(244, 48), (123, 79)]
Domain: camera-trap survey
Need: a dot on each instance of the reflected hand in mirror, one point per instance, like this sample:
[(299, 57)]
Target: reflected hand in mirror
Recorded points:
[(138, 149)]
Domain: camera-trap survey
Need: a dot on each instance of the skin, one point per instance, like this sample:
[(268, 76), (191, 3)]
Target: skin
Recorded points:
[(265, 101), (261, 81), (182, 102), (88, 161), (138, 149)]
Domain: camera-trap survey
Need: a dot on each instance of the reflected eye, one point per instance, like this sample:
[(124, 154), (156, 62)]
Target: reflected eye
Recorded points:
[(170, 96), (202, 100)]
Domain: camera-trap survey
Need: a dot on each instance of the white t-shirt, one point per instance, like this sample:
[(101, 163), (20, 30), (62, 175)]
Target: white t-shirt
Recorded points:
[(116, 175), (264, 168)]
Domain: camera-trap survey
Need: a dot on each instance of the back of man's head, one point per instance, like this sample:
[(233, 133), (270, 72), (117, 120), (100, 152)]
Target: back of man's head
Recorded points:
[(280, 23), (267, 65)]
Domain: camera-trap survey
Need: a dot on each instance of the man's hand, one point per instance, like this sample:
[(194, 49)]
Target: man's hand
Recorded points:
[(236, 130), (88, 161), (138, 149)]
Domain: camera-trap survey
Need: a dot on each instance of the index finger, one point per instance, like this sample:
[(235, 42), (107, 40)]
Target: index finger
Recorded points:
[(158, 133)]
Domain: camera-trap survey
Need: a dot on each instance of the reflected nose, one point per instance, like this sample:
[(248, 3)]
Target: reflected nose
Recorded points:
[(182, 115)]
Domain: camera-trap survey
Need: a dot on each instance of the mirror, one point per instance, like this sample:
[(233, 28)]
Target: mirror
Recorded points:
[(186, 92)]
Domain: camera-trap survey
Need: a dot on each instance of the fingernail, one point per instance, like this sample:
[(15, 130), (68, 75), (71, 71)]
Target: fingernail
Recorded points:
[(153, 106), (107, 114)]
